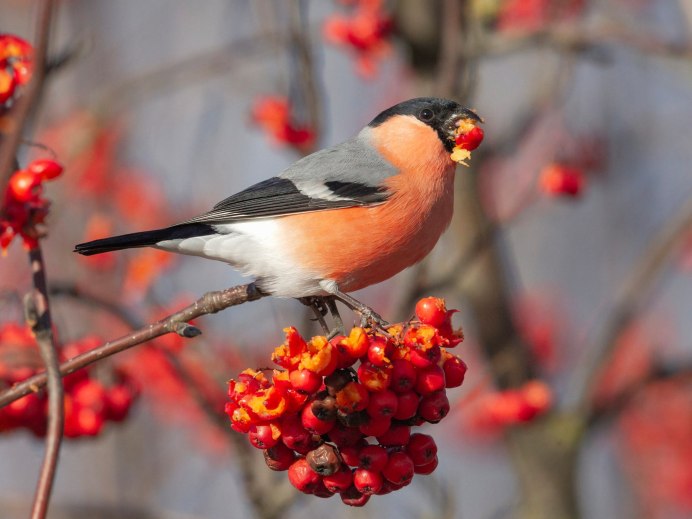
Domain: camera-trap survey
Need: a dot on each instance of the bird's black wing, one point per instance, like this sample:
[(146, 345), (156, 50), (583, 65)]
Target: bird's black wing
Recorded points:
[(279, 196)]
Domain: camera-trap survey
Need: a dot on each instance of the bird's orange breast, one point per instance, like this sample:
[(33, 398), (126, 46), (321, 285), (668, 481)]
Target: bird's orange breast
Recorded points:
[(360, 246)]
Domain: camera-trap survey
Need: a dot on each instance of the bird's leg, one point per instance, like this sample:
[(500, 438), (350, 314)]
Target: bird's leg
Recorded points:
[(319, 308), (368, 315), (338, 322)]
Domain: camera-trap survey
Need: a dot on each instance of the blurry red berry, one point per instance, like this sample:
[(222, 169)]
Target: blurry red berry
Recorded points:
[(421, 448), (561, 180), (399, 469), (428, 468), (24, 186), (433, 408), (119, 399), (455, 370), (303, 477), (45, 169)]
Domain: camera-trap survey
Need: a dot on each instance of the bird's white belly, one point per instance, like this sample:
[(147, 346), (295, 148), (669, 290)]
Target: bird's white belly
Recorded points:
[(254, 247)]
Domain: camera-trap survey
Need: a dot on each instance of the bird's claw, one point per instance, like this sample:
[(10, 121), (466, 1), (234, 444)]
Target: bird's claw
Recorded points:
[(371, 319)]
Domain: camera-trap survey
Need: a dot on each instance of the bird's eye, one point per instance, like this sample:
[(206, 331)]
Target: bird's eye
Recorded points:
[(426, 114)]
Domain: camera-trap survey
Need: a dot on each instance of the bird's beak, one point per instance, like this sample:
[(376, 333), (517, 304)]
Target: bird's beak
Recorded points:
[(451, 124)]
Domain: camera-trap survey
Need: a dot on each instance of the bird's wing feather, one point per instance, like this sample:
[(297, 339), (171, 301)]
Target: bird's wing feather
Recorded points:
[(279, 196), (347, 175)]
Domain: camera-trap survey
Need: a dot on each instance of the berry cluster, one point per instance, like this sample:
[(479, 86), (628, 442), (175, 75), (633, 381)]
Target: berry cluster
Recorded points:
[(89, 403), (275, 115), (25, 207), (314, 417), (365, 32), (467, 138), (15, 67)]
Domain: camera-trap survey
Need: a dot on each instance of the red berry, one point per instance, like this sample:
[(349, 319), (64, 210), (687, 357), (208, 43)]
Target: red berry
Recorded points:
[(279, 457), (407, 405), (560, 179), (305, 381), (383, 404), (430, 380), (313, 424), (399, 469), (396, 436), (46, 169), (351, 455), (367, 481), (455, 370), (322, 491), (471, 139), (24, 186), (293, 434), (403, 376), (425, 357), (303, 477), (433, 408), (378, 351), (262, 436), (374, 378), (376, 426), (340, 481), (432, 311), (426, 469), (343, 436), (119, 400), (421, 448), (352, 497), (373, 457)]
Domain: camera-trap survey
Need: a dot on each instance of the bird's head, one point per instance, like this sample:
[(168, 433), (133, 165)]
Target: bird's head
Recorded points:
[(422, 114)]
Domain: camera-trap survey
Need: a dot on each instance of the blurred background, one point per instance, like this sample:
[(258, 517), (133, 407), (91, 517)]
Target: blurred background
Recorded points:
[(569, 256)]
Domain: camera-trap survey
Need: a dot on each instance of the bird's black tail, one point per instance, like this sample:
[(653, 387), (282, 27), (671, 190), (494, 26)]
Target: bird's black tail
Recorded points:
[(143, 239)]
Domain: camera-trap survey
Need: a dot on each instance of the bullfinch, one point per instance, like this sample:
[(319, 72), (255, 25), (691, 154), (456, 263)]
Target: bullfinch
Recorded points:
[(337, 220)]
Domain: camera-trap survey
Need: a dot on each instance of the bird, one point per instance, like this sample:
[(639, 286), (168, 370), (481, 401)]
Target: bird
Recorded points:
[(337, 220)]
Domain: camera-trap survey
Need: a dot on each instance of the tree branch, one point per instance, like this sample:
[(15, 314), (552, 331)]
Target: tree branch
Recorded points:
[(18, 116), (209, 303), (39, 319)]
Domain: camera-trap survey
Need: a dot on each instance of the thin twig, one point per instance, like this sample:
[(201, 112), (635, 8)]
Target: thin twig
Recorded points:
[(209, 303), (38, 317), (9, 142)]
